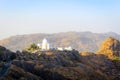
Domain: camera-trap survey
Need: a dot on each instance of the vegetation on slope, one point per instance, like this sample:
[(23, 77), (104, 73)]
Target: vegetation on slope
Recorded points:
[(33, 47)]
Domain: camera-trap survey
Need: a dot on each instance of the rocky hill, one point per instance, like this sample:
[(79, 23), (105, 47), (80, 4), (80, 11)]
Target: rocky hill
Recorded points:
[(57, 65), (110, 47), (81, 41)]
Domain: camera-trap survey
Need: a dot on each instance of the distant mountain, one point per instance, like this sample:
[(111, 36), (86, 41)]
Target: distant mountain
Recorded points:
[(82, 41)]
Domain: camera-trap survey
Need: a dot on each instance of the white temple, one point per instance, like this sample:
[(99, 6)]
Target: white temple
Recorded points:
[(45, 45)]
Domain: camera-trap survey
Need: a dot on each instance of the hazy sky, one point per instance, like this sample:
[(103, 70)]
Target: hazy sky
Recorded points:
[(51, 16)]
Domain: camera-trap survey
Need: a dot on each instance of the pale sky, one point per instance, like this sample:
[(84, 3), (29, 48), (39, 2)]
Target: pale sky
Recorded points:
[(51, 16)]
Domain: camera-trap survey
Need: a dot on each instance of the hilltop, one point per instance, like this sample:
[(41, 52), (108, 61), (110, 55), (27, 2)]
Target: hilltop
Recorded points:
[(56, 65), (81, 41), (110, 47)]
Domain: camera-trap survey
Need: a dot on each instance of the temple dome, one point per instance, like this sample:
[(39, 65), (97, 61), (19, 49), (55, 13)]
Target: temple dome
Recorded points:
[(44, 40)]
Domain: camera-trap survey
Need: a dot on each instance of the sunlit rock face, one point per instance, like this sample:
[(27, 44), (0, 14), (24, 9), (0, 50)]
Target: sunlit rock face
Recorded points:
[(45, 45), (110, 47)]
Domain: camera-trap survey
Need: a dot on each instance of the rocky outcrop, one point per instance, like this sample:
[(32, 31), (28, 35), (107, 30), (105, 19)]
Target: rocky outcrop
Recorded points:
[(6, 55), (68, 65), (56, 65), (110, 47)]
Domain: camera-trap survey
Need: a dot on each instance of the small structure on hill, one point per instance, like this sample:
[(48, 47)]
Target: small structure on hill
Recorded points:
[(68, 48), (45, 45), (65, 48), (39, 46)]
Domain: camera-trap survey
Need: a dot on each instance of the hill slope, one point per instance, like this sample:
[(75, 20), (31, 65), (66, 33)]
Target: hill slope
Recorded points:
[(110, 47), (81, 41), (56, 65)]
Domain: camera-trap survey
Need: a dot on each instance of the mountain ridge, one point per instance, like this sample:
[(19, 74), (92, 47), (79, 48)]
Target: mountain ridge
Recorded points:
[(81, 41)]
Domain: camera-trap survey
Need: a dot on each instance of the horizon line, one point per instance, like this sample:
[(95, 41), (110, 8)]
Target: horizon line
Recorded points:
[(25, 34)]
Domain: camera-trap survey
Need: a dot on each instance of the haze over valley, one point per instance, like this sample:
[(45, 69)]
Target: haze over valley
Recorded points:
[(59, 39)]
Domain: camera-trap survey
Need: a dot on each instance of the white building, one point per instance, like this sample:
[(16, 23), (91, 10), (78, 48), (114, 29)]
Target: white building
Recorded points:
[(60, 48), (65, 48), (68, 48), (45, 45), (39, 46)]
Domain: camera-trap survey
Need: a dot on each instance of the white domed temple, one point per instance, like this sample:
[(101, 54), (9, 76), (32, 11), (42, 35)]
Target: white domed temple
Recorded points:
[(45, 45)]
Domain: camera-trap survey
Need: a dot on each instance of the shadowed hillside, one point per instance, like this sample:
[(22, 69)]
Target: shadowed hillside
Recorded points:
[(81, 41), (59, 65)]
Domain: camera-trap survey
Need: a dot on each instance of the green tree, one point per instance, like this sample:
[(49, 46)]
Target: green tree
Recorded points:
[(32, 48)]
